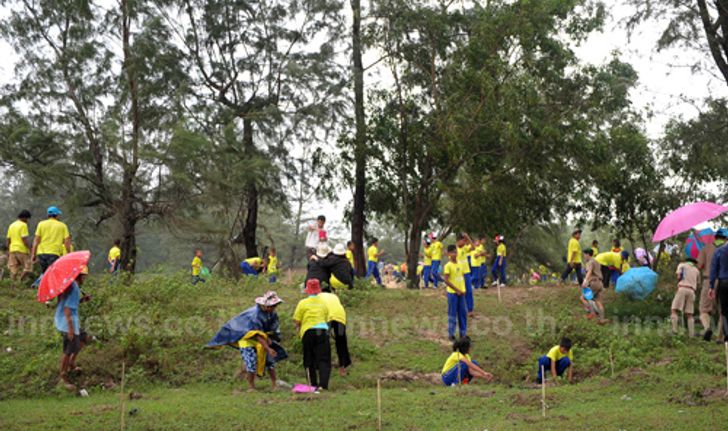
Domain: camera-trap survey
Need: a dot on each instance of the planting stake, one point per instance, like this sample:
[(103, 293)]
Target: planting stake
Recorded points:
[(379, 405), (499, 295), (726, 367), (611, 361), (121, 394), (543, 392)]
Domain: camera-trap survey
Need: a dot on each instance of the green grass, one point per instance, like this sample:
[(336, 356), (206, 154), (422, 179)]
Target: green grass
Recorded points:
[(631, 374)]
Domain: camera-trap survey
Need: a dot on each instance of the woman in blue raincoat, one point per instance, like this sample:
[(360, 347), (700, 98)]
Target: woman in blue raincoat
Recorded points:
[(255, 333)]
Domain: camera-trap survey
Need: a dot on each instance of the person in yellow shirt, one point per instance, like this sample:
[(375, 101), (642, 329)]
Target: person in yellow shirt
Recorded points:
[(477, 263), (337, 323), (573, 258), (373, 255), (595, 247), (311, 318), (499, 264), (454, 277), (459, 367), (609, 260), (427, 264), (51, 241), (19, 247), (558, 360), (350, 256), (197, 267), (114, 257), (436, 252), (272, 269), (251, 266), (465, 246)]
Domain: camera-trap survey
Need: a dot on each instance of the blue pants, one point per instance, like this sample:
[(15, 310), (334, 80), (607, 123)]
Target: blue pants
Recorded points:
[(247, 269), (426, 275), (435, 272), (475, 277), (456, 313), (456, 374), (499, 272), (272, 279), (483, 274), (469, 292), (373, 269), (545, 361)]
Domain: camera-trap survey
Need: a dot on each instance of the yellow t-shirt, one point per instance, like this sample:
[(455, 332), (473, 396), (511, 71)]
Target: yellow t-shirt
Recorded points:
[(463, 257), (477, 260), (372, 254), (455, 274), (114, 253), (501, 250), (336, 283), (336, 310), (52, 234), (609, 258), (350, 257), (310, 312), (272, 264), (573, 248), (453, 360), (253, 261), (436, 250), (428, 256), (196, 265), (420, 268), (16, 232), (555, 354), (595, 250)]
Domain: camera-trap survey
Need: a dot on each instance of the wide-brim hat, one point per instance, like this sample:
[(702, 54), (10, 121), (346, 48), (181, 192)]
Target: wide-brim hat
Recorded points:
[(270, 299), (313, 286), (340, 249), (323, 250)]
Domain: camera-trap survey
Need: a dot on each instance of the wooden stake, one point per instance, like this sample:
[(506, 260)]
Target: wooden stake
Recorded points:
[(499, 294), (726, 367), (379, 405), (543, 392), (121, 394)]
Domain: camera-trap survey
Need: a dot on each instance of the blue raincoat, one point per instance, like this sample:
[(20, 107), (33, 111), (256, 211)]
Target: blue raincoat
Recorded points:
[(252, 319)]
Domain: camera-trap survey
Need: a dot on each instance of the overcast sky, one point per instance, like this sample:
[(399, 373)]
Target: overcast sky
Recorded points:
[(663, 89)]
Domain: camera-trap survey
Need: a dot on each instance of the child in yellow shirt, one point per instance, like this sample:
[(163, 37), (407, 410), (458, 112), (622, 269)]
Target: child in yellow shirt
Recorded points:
[(197, 267), (459, 368), (457, 311), (272, 269)]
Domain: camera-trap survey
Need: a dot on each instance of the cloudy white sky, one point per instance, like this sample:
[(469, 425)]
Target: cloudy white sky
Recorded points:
[(664, 90)]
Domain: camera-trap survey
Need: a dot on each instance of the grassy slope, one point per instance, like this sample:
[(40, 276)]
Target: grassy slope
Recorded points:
[(668, 380)]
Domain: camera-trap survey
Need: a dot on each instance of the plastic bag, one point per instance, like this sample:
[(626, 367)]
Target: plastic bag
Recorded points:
[(637, 283)]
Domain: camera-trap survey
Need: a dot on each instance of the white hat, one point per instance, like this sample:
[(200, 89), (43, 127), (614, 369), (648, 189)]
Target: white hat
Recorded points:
[(323, 250), (270, 299), (339, 249)]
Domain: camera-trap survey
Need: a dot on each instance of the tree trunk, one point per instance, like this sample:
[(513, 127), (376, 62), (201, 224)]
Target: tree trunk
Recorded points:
[(251, 193), (358, 219), (129, 214), (415, 240)]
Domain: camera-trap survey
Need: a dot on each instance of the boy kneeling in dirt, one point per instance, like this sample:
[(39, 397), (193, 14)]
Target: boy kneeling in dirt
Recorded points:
[(558, 360)]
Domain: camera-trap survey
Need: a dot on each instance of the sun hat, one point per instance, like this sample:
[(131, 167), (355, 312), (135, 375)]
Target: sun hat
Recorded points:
[(576, 231), (339, 249), (269, 299), (54, 211), (625, 254), (323, 250), (313, 286)]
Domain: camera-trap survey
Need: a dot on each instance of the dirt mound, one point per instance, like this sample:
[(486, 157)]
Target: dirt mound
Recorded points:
[(412, 376), (435, 337), (531, 400)]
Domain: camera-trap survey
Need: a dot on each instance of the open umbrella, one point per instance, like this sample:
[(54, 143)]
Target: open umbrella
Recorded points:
[(61, 274), (685, 218), (697, 240)]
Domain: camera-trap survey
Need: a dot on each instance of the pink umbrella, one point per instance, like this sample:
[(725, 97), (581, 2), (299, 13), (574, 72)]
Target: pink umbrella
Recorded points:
[(685, 218)]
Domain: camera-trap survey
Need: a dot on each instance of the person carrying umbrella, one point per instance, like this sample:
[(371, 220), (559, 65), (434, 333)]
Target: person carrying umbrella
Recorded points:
[(67, 322), (708, 306), (256, 333)]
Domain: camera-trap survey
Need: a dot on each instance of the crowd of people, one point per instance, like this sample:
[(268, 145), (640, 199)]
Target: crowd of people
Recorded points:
[(320, 316)]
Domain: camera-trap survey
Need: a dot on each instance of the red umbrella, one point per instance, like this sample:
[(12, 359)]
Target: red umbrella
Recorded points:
[(61, 274)]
